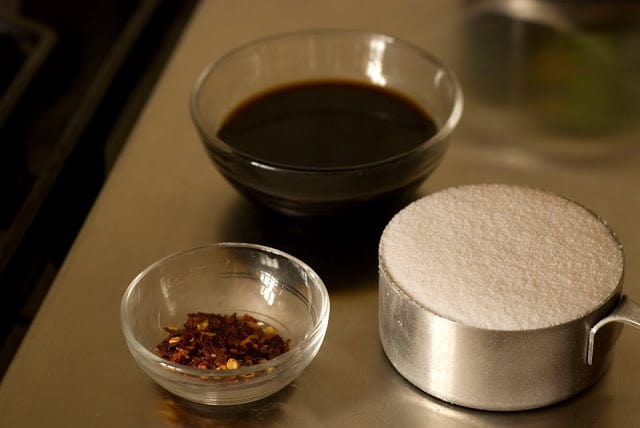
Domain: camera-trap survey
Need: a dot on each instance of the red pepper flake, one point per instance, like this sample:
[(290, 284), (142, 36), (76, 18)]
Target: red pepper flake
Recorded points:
[(221, 342)]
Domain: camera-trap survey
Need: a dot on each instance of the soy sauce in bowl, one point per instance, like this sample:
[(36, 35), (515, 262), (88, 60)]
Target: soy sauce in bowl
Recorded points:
[(326, 121), (327, 124)]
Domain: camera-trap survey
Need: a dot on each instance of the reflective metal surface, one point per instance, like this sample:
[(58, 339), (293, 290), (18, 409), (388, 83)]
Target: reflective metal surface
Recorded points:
[(489, 369), (626, 312), (548, 107)]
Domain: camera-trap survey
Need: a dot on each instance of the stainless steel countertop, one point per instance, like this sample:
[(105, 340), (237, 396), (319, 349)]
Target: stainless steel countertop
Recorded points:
[(549, 103)]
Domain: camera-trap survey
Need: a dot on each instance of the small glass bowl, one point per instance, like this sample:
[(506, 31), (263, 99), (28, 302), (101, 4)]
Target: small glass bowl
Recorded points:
[(226, 278), (325, 55)]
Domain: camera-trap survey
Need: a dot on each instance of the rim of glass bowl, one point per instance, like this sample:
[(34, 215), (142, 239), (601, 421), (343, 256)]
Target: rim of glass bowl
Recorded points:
[(216, 143), (314, 334)]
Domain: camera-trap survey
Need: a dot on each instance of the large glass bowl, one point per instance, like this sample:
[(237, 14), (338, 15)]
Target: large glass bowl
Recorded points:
[(343, 55), (226, 278)]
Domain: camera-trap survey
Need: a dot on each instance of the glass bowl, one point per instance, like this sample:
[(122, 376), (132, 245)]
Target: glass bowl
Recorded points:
[(325, 55), (226, 278)]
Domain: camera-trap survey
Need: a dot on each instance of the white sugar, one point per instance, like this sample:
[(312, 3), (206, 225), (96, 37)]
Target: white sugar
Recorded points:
[(501, 257)]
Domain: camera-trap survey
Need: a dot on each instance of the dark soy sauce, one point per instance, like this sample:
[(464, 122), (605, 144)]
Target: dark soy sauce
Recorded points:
[(327, 125)]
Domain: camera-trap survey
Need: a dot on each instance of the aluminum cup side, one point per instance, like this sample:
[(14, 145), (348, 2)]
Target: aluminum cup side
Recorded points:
[(503, 370)]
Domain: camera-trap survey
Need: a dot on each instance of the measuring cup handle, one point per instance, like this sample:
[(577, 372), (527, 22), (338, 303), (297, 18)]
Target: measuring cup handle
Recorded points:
[(627, 312)]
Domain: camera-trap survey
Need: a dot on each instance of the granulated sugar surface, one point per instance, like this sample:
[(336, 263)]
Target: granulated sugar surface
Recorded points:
[(501, 257)]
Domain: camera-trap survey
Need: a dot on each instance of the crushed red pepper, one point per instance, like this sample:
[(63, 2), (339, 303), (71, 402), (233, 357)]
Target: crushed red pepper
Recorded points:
[(221, 342)]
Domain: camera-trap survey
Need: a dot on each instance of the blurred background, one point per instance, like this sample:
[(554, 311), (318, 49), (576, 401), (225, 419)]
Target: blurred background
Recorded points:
[(73, 77), (564, 72)]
